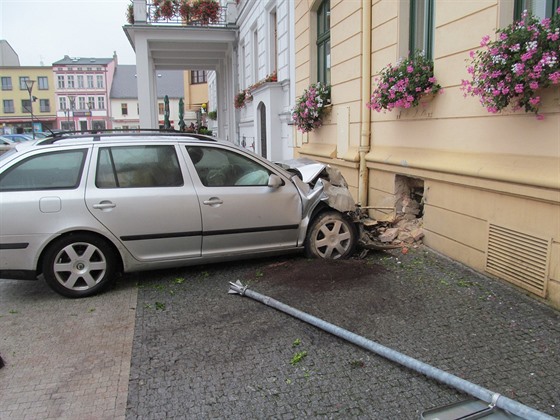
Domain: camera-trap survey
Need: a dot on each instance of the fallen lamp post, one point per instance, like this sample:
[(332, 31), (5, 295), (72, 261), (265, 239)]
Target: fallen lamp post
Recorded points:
[(494, 399)]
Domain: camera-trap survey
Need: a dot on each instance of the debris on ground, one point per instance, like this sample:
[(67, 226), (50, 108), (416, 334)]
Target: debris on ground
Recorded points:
[(403, 232)]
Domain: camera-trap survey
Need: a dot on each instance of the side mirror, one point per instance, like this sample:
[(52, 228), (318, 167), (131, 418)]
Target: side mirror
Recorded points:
[(274, 181)]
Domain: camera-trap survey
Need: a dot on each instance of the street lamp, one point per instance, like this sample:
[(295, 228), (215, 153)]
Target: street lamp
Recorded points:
[(72, 100), (90, 116), (29, 85)]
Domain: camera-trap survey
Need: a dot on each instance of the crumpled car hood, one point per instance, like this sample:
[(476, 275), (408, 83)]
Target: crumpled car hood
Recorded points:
[(320, 182)]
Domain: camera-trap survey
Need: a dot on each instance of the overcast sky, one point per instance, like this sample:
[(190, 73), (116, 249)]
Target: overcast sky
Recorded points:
[(44, 31)]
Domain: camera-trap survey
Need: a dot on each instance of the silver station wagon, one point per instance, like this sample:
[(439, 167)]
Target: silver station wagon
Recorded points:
[(80, 208)]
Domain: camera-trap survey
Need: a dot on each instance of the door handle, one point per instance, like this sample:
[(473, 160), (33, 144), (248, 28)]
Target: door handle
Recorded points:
[(104, 205), (213, 202)]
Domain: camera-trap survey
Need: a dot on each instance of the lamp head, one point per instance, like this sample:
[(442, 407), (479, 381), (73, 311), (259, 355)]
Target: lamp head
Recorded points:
[(29, 84)]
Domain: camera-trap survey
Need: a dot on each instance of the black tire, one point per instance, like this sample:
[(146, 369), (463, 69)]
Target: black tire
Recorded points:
[(79, 265), (330, 236)]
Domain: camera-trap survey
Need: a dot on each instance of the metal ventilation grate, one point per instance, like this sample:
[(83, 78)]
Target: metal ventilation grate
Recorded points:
[(519, 258)]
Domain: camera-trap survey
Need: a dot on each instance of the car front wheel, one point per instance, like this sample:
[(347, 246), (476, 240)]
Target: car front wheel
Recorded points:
[(330, 236), (79, 265)]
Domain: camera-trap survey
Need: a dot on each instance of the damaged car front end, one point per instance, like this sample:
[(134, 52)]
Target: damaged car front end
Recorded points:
[(328, 209)]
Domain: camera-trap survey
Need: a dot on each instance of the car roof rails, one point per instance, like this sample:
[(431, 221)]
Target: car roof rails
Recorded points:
[(115, 132)]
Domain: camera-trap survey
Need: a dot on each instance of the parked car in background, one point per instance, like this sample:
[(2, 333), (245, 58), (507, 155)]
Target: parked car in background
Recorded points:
[(18, 137), (79, 209), (40, 135), (6, 144)]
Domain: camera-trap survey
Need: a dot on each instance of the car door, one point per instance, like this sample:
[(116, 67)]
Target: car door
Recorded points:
[(41, 195), (144, 195), (240, 212)]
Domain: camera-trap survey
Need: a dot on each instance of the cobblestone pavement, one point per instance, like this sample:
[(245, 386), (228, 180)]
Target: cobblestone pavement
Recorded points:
[(199, 352), (65, 359), (181, 347)]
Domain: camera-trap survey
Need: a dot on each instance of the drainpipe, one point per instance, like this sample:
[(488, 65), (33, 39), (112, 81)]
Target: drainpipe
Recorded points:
[(483, 394), (366, 112)]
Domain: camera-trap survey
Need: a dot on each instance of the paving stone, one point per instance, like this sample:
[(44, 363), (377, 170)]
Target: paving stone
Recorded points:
[(180, 346), (230, 356)]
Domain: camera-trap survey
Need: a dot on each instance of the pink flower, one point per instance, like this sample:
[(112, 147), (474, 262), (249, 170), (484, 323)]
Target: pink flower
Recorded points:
[(540, 117), (534, 85), (519, 88), (555, 77), (409, 69), (535, 101), (484, 41)]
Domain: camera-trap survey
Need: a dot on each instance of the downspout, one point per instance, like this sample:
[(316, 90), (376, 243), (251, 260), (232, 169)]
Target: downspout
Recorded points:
[(365, 138)]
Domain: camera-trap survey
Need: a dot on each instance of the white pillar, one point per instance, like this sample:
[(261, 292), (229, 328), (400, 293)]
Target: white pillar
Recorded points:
[(147, 99), (140, 10)]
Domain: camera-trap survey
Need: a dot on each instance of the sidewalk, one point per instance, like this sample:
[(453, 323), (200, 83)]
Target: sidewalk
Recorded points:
[(179, 345), (65, 359)]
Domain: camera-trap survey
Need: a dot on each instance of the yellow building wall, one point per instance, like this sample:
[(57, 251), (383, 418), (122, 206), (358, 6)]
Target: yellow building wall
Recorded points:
[(195, 94), (17, 95), (479, 169)]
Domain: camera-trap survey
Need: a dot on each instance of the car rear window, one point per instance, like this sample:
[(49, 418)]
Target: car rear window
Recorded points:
[(46, 171), (138, 167)]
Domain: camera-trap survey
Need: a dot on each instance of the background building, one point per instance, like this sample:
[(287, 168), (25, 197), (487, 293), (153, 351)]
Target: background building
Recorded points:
[(247, 49), (196, 96), (266, 75), (15, 114), (8, 57), (124, 97), (82, 92), (488, 184)]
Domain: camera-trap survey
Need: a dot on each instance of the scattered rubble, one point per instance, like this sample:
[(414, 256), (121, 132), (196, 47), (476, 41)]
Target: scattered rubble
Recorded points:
[(402, 232), (390, 235)]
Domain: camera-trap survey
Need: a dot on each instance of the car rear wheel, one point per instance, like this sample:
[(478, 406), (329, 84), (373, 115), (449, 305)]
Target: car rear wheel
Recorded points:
[(331, 236), (79, 265)]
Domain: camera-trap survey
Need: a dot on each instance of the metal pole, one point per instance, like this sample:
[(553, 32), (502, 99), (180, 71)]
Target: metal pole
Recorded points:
[(477, 391), (29, 85)]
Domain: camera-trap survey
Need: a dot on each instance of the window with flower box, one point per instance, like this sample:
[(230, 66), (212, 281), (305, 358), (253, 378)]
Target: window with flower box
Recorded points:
[(539, 8), (421, 27), (324, 42)]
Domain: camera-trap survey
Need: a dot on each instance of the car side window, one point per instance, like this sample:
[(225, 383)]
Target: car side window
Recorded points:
[(138, 167), (223, 168), (46, 171)]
